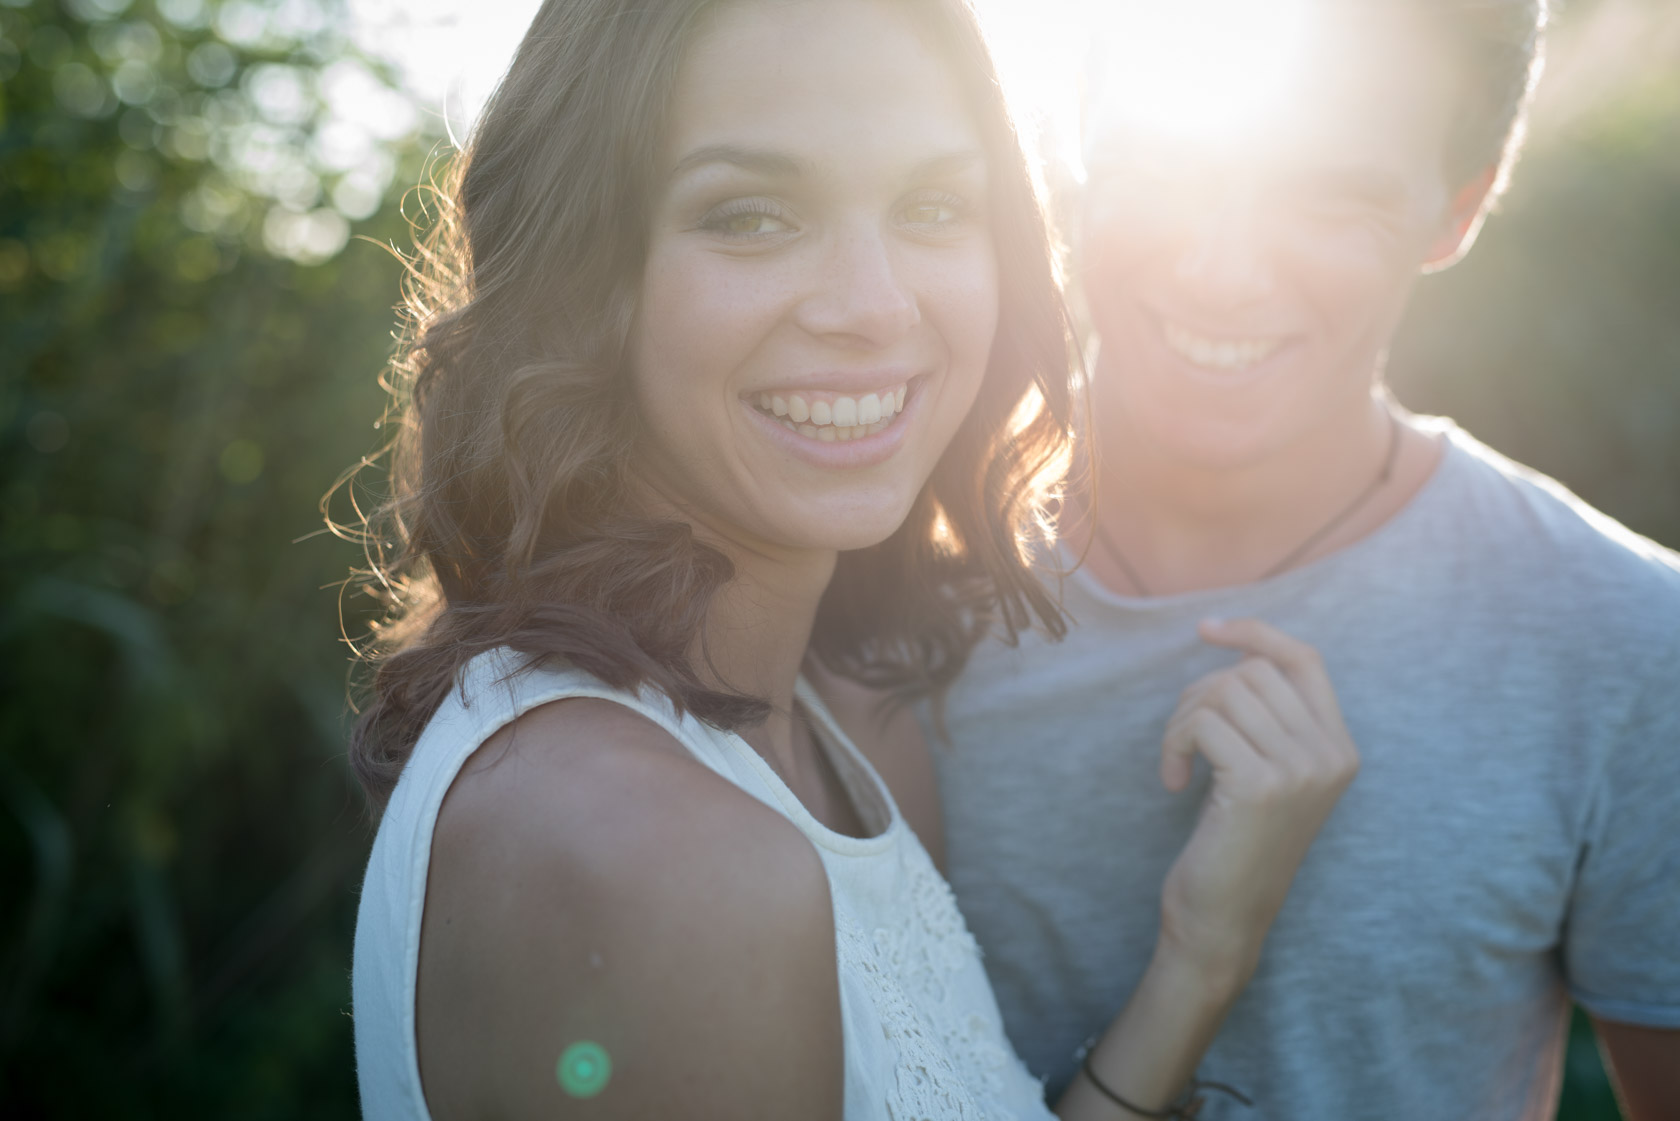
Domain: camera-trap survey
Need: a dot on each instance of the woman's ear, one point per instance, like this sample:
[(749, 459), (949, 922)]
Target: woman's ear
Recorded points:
[(1462, 222)]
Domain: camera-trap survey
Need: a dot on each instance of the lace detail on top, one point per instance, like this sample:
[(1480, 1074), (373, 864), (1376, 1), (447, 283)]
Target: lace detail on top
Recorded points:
[(953, 1061), (926, 1085)]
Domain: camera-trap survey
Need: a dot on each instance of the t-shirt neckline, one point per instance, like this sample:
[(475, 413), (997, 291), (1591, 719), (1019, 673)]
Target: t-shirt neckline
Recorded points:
[(1426, 496)]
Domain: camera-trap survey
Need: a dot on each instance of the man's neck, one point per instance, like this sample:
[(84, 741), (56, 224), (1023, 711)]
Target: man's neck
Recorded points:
[(1168, 526)]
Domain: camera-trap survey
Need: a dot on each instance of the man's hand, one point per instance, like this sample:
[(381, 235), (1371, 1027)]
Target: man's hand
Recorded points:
[(1272, 731)]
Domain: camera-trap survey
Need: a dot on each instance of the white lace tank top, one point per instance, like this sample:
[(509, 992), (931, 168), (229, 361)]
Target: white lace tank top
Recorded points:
[(922, 1034)]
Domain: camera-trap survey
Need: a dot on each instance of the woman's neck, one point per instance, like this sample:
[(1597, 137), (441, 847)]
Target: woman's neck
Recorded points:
[(756, 633)]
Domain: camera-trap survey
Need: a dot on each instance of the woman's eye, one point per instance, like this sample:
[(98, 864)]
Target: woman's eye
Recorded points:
[(748, 222)]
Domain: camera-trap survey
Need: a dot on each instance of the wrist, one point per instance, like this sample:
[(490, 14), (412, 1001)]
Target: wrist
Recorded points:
[(1200, 972)]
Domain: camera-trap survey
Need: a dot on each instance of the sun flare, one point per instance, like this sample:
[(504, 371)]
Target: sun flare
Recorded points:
[(1197, 69), (1205, 70)]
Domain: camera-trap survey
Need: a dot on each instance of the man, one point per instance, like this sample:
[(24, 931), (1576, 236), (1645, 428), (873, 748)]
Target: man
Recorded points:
[(1507, 659)]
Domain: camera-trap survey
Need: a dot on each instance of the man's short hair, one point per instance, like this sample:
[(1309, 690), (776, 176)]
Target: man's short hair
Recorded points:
[(1500, 44)]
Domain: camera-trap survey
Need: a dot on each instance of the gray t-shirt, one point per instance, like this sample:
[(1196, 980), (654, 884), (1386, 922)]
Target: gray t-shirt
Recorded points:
[(1508, 661)]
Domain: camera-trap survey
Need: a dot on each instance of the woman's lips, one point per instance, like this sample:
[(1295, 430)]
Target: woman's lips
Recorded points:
[(822, 437), (833, 417)]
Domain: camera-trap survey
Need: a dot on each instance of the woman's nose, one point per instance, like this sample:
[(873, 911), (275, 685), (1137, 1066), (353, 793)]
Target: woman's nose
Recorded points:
[(859, 293)]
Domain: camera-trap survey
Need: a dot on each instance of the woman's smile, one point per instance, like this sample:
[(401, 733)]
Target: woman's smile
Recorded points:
[(837, 428), (831, 416)]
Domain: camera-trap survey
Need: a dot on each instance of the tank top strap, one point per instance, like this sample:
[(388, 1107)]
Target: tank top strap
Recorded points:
[(868, 791), (498, 687)]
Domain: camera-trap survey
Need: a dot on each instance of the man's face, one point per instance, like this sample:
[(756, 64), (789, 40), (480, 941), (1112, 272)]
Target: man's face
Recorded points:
[(1244, 292)]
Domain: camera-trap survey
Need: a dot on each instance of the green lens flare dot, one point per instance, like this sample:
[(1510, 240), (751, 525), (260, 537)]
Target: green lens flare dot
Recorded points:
[(583, 1069)]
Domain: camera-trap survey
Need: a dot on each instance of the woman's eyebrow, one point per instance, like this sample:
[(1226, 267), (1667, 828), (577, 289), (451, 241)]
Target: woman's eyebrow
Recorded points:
[(761, 160), (766, 161)]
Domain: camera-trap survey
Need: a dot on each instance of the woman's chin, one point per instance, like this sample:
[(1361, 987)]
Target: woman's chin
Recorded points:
[(847, 529)]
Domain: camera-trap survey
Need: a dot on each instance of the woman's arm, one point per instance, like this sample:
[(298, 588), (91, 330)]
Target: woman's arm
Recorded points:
[(591, 883), (1281, 756)]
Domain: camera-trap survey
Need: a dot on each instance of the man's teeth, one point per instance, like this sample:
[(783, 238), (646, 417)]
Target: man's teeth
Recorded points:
[(1218, 354), (835, 419)]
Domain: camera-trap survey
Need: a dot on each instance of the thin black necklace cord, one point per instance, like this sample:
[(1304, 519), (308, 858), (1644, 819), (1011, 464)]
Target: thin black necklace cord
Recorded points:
[(1304, 547)]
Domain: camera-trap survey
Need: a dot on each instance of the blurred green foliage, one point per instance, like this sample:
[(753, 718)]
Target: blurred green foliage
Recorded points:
[(188, 358), (1557, 340)]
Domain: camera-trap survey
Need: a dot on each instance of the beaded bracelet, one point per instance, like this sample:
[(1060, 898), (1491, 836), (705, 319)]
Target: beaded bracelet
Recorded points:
[(1187, 1106)]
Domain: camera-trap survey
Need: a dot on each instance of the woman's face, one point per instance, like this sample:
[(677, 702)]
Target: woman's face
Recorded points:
[(821, 289)]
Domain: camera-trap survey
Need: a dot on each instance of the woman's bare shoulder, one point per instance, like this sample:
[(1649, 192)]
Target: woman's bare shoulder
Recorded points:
[(591, 881)]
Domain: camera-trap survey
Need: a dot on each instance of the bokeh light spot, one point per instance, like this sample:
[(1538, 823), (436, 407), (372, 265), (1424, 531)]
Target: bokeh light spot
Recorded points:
[(242, 462), (49, 47), (211, 64), (135, 171), (14, 262), (188, 14), (89, 11), (80, 91), (307, 237), (197, 259), (584, 1069), (47, 432)]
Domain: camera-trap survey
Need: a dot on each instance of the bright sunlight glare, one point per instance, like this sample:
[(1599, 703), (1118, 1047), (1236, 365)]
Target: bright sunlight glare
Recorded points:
[(451, 53), (1202, 69), (1207, 70)]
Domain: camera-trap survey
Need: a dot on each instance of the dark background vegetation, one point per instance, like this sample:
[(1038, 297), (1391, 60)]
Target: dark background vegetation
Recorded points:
[(188, 358)]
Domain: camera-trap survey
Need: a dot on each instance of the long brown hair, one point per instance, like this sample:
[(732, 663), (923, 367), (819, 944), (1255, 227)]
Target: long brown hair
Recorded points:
[(507, 521)]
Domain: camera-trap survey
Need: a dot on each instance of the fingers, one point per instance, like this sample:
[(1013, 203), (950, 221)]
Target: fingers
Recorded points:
[(1278, 702), (1235, 700), (1254, 696), (1205, 730), (1300, 662), (1279, 695), (1242, 711), (1255, 637)]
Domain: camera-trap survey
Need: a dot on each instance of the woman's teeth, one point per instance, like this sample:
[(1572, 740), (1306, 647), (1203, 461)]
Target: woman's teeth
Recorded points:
[(834, 419), (1225, 355)]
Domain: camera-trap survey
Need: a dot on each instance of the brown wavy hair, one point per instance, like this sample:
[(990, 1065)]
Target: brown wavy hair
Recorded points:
[(507, 521)]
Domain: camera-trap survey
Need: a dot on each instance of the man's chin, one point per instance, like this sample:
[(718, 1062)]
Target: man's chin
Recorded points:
[(1202, 435)]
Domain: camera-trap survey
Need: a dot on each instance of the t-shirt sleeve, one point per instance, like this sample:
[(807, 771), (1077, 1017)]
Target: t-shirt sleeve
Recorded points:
[(1622, 939)]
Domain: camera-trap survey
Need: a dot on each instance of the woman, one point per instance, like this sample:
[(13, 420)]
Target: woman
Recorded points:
[(757, 362)]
